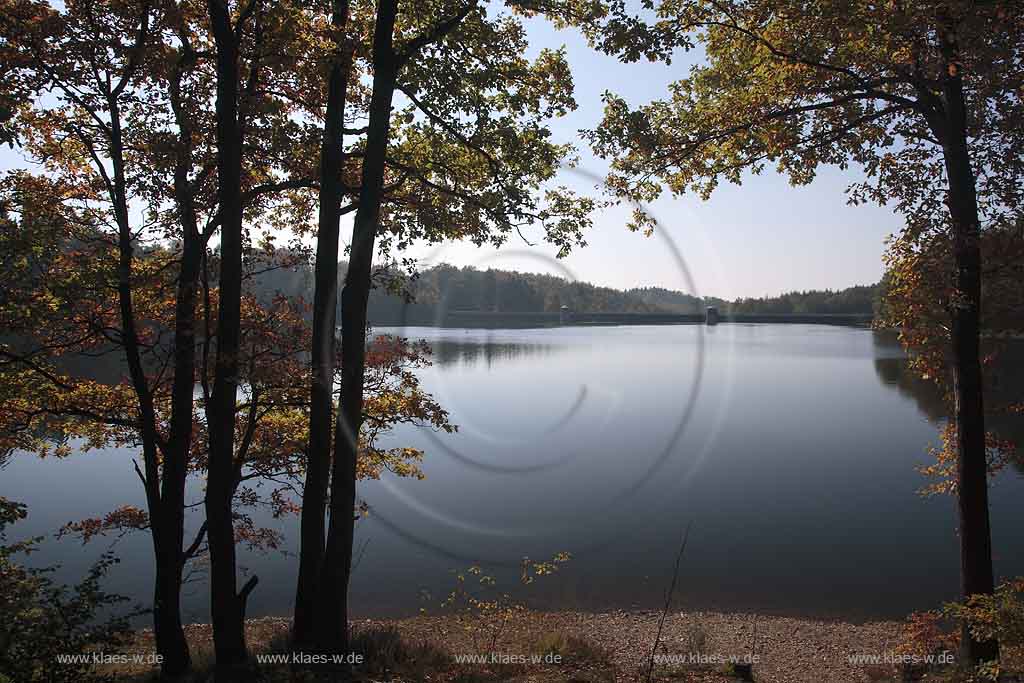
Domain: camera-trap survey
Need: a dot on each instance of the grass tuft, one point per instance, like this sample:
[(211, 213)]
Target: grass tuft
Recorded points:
[(572, 648), (385, 652)]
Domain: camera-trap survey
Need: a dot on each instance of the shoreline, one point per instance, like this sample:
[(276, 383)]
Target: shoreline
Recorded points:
[(786, 650)]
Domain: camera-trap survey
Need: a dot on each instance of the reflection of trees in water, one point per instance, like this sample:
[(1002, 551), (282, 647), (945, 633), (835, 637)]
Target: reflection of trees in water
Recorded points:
[(1006, 387), (449, 352), (895, 374), (47, 430), (105, 365)]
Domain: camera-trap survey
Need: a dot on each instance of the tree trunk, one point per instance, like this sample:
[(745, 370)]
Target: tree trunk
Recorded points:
[(170, 638), (325, 301), (170, 559), (227, 606), (332, 615), (976, 576), (166, 506), (168, 520)]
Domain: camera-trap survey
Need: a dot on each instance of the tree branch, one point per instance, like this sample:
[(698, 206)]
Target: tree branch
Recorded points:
[(438, 33)]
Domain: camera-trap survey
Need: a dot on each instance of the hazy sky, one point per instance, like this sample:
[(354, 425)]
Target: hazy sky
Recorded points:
[(762, 238)]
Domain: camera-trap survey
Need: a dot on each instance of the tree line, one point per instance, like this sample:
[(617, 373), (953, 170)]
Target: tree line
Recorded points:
[(494, 290)]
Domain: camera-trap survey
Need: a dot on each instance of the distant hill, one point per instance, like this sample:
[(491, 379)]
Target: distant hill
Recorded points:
[(856, 299), (672, 301), (505, 291)]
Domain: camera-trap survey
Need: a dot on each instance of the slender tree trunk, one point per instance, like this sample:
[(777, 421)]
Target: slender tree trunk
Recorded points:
[(170, 520), (227, 605), (332, 615), (166, 510), (170, 558), (976, 575), (167, 628), (325, 301)]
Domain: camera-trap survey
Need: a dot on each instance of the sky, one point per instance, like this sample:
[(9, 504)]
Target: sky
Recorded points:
[(762, 238)]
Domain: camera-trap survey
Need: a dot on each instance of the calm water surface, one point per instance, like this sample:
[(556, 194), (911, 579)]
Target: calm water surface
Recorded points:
[(790, 449)]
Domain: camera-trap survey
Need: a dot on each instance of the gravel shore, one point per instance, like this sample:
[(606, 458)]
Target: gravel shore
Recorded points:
[(787, 650), (618, 644)]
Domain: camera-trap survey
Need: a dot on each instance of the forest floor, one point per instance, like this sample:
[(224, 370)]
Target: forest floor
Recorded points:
[(545, 647)]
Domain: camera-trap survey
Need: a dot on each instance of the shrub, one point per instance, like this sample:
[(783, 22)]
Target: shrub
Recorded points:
[(484, 609), (697, 640), (43, 620), (924, 634), (999, 616)]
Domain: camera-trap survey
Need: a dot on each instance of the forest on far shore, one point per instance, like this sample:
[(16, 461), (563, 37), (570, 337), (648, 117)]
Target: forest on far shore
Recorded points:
[(506, 291)]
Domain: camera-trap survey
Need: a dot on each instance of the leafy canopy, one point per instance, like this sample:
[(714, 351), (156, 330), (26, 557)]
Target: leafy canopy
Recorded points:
[(794, 85)]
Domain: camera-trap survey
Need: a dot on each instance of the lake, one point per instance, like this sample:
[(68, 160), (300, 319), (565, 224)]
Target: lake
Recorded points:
[(790, 450)]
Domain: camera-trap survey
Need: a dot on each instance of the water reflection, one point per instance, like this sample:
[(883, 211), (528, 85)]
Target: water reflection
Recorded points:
[(448, 352), (893, 372), (1005, 380)]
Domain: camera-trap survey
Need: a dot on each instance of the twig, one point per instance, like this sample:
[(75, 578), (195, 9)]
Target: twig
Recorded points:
[(192, 549), (668, 601), (359, 556), (142, 477), (243, 595)]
